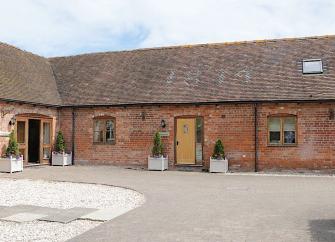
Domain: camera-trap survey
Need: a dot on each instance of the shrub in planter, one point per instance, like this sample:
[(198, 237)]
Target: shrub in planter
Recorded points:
[(60, 143), (218, 161), (13, 147), (59, 157), (157, 149), (218, 152), (12, 161), (157, 162)]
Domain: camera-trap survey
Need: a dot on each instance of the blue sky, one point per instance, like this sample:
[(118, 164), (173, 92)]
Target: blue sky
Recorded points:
[(69, 27)]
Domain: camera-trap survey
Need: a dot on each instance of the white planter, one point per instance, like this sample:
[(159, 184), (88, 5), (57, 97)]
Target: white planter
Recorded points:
[(61, 159), (11, 164), (158, 164), (218, 165)]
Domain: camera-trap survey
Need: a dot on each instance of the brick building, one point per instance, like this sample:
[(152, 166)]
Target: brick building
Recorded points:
[(271, 102)]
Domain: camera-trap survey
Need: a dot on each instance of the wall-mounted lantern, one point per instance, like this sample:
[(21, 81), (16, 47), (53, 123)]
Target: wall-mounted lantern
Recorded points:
[(163, 123), (12, 121), (143, 114)]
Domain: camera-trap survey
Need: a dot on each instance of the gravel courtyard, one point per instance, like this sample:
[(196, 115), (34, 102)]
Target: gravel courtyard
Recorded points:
[(60, 195), (194, 206)]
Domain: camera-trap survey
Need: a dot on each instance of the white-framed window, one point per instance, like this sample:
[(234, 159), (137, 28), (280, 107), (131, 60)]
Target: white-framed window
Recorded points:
[(312, 66)]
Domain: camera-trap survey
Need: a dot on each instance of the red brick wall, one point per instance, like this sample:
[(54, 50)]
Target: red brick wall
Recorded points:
[(134, 136), (316, 138), (234, 124)]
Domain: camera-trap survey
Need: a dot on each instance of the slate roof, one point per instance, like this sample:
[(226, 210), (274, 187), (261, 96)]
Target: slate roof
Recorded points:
[(26, 77), (266, 70)]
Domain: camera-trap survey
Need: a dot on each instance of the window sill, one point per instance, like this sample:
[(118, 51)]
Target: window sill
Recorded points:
[(282, 145), (96, 143)]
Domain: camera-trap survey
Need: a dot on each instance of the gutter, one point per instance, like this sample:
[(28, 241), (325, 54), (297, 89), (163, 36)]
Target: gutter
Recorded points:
[(168, 103), (31, 103), (197, 103), (73, 134), (256, 136)]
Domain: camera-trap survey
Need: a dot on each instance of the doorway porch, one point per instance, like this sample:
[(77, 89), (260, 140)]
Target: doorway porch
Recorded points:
[(34, 136)]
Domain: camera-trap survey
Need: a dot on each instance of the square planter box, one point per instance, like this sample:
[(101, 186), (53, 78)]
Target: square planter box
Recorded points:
[(11, 164), (158, 164), (218, 165), (61, 159)]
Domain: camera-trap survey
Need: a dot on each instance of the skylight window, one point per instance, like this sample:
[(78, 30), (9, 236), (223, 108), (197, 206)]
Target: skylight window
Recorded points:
[(312, 66)]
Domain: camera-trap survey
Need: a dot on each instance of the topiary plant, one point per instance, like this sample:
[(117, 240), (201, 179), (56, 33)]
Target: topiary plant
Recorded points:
[(13, 147), (218, 150), (60, 143), (157, 149)]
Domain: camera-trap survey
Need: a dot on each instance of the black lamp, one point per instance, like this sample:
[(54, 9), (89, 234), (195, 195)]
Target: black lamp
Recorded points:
[(12, 121), (163, 123)]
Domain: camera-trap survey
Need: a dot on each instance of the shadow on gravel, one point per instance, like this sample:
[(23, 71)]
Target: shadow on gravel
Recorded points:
[(322, 230)]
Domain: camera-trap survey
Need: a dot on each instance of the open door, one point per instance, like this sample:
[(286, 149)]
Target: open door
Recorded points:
[(34, 134), (22, 137), (45, 141)]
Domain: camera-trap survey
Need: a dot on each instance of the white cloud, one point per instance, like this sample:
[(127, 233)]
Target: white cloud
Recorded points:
[(63, 27)]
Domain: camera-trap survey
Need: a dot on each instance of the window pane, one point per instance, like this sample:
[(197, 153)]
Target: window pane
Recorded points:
[(22, 151), (98, 131), (312, 66), (46, 153), (110, 131), (199, 130), (98, 136), (198, 146), (46, 133), (21, 126), (289, 130), (274, 129), (274, 124), (289, 137), (274, 137), (289, 124)]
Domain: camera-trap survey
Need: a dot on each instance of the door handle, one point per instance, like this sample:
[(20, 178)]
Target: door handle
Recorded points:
[(177, 142)]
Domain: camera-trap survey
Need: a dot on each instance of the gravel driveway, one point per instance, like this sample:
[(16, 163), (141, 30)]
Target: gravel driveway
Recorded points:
[(193, 206), (61, 195)]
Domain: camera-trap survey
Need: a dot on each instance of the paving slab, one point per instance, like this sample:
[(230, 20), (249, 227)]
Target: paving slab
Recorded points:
[(105, 214), (68, 215), (23, 217), (6, 211)]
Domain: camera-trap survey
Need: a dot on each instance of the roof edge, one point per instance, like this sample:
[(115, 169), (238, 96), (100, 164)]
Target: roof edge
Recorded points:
[(214, 44), (166, 104), (30, 103), (200, 103)]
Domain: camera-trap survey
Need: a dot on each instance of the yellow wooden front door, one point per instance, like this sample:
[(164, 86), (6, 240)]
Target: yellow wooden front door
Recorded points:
[(185, 141)]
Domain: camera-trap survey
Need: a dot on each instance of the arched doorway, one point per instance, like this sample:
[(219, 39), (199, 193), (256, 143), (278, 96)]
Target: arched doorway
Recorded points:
[(34, 136)]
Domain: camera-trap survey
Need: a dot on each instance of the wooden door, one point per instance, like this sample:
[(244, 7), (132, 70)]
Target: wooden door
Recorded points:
[(185, 141), (45, 141), (22, 137)]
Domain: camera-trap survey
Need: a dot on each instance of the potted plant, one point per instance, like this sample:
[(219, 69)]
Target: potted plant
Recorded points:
[(157, 162), (218, 161), (59, 157), (12, 160)]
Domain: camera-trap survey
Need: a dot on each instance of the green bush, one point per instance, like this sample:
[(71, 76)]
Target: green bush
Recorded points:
[(157, 149), (60, 143), (13, 147), (218, 150)]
